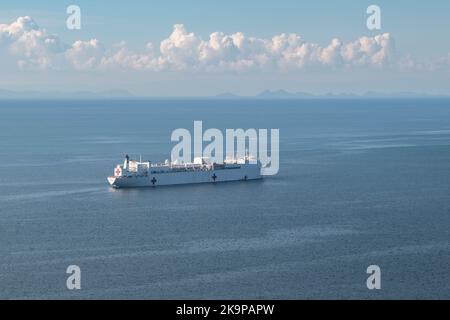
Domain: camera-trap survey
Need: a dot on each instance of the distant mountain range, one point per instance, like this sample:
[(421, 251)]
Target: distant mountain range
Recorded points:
[(283, 94), (267, 94), (8, 94), (264, 95)]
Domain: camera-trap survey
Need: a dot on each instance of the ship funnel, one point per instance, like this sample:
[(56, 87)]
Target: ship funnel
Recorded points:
[(126, 162)]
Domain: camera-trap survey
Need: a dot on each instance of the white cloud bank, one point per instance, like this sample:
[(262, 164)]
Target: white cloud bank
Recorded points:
[(33, 47)]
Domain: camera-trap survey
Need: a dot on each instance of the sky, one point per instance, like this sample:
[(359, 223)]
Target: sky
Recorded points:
[(197, 48)]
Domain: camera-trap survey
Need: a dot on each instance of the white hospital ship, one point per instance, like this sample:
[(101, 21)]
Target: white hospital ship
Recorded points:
[(133, 173)]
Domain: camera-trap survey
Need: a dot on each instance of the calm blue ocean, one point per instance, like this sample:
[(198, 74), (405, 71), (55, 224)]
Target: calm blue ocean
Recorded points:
[(361, 182)]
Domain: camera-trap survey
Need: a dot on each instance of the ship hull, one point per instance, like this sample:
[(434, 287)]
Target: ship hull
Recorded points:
[(243, 173)]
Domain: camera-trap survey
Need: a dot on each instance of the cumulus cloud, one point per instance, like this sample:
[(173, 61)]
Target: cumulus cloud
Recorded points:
[(123, 58), (375, 51), (180, 50), (32, 46), (85, 54), (410, 63)]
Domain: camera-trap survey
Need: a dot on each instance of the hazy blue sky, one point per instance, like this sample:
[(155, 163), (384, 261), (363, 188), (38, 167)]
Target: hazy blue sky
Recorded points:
[(112, 51)]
